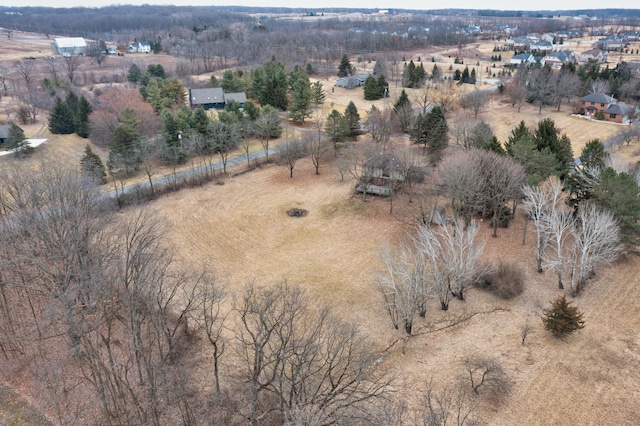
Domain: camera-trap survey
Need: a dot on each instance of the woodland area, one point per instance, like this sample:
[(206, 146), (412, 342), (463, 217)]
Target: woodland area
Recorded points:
[(434, 271)]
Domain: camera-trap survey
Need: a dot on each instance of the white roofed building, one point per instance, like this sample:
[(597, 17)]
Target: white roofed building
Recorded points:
[(66, 46)]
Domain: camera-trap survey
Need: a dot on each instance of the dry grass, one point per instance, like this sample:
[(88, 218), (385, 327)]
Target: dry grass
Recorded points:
[(503, 118), (241, 229)]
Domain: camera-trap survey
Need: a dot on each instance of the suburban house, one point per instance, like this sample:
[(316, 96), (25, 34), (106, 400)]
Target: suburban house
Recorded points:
[(144, 47), (132, 48), (611, 109), (518, 43), (522, 58), (382, 174), (610, 43), (542, 47), (557, 59), (214, 98), (594, 55), (67, 46), (352, 82)]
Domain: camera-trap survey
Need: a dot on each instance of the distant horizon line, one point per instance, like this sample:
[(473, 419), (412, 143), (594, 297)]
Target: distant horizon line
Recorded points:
[(321, 8)]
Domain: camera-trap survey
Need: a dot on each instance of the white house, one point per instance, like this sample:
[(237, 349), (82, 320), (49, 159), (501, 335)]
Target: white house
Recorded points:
[(144, 47), (67, 46), (522, 58)]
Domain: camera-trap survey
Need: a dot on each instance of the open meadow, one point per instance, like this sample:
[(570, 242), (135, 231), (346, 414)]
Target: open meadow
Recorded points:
[(242, 230)]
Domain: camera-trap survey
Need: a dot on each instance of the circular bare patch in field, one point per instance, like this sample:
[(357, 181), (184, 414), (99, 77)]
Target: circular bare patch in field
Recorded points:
[(297, 212)]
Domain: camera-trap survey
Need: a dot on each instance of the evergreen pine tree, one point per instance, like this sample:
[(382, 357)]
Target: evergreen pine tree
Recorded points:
[(383, 87), (437, 140), (270, 85), (371, 89), (125, 146), (518, 133), (336, 127), (594, 154), (345, 69), (494, 145), (352, 117), (300, 95), (317, 93), (81, 122), (403, 100), (464, 78), (562, 318), (92, 166), (61, 118), (134, 74), (17, 141)]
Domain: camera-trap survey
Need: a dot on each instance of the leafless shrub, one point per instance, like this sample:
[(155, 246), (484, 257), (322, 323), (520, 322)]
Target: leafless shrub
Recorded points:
[(448, 405), (506, 280), (487, 375), (525, 330)]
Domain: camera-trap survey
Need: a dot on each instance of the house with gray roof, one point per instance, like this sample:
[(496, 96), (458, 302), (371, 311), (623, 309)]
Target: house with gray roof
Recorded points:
[(239, 97), (619, 113), (214, 98), (594, 55), (351, 82), (557, 59), (522, 58), (542, 47), (611, 109)]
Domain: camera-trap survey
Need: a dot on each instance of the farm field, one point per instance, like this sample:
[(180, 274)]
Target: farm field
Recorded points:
[(240, 228)]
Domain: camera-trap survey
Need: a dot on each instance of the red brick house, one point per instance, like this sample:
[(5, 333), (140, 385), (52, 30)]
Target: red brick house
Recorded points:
[(611, 109)]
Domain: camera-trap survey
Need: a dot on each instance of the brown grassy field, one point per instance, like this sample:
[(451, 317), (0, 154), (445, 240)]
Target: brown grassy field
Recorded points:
[(241, 229)]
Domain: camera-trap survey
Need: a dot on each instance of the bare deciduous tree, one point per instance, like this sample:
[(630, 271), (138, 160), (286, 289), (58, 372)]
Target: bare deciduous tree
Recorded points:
[(487, 373), (291, 152), (379, 126), (301, 363), (451, 258), (460, 176), (596, 242), (540, 202), (475, 101), (317, 147), (210, 317), (72, 63), (404, 287), (354, 158), (449, 405)]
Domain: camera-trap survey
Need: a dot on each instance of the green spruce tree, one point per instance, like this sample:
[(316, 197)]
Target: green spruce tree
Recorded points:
[(61, 118), (352, 117), (561, 318), (345, 69), (92, 166)]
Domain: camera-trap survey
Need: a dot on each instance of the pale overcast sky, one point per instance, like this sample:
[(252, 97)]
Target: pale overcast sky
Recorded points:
[(382, 4)]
